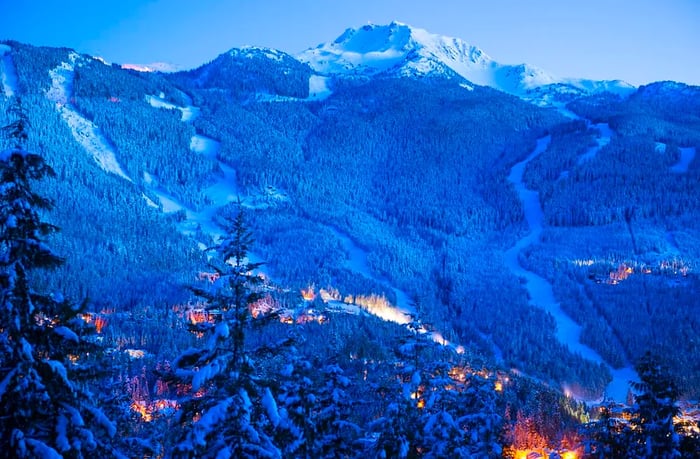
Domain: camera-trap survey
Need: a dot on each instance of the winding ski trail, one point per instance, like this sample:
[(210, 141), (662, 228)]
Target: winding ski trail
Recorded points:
[(540, 290), (603, 139)]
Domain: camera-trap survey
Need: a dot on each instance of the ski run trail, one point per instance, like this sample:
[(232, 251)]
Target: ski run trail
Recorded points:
[(85, 132), (539, 289)]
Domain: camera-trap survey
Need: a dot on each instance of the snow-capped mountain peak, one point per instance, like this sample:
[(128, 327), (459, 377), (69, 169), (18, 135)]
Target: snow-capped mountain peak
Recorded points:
[(257, 52), (374, 49), (399, 49)]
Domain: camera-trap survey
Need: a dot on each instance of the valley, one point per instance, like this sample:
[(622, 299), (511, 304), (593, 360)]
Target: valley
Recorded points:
[(450, 237)]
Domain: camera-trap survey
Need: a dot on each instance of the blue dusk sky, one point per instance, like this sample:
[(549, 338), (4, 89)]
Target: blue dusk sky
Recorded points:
[(638, 41)]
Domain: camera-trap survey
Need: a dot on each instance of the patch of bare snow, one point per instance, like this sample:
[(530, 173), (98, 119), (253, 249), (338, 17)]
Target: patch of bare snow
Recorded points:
[(149, 201), (204, 145), (687, 156), (318, 87), (7, 71), (602, 140), (188, 113)]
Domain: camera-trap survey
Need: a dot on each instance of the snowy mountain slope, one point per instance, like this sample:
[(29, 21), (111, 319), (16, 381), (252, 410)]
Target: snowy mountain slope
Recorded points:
[(401, 50), (254, 70), (85, 132)]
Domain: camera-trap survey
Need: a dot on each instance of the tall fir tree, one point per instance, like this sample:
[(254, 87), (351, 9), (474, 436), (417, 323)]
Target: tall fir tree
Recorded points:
[(608, 436), (46, 409), (219, 417), (655, 407)]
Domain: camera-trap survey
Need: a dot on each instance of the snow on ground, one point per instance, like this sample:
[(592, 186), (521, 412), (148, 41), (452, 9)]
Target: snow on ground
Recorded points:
[(7, 71), (204, 145), (401, 312), (225, 189), (85, 132), (540, 290), (92, 140), (398, 47), (222, 192), (602, 140), (687, 156), (189, 112), (561, 108), (168, 202), (318, 87), (149, 201)]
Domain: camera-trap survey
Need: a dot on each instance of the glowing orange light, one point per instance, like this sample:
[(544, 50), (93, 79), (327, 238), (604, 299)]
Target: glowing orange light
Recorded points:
[(97, 320), (308, 294), (329, 294), (140, 407), (622, 273)]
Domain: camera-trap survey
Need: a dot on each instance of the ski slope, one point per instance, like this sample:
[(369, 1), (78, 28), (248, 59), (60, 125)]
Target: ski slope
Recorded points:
[(540, 290), (85, 132)]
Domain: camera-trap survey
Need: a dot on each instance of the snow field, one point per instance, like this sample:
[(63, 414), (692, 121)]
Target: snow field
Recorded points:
[(8, 73)]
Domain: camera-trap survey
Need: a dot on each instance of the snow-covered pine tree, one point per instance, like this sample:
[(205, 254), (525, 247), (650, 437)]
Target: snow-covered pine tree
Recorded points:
[(607, 436), (398, 431), (655, 406), (336, 433), (46, 409), (219, 417), (295, 429)]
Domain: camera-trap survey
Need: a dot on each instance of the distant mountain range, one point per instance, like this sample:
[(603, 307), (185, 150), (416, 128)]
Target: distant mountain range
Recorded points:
[(400, 50)]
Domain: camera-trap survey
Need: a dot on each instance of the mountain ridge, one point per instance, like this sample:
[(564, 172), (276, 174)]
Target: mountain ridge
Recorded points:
[(402, 50)]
